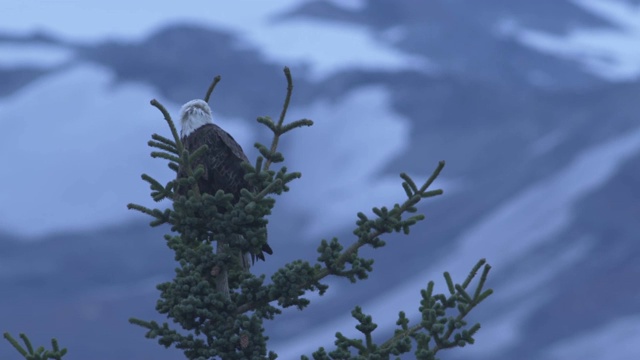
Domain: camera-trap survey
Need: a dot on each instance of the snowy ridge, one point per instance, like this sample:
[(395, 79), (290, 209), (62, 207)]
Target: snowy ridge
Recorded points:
[(323, 46), (33, 55), (611, 53)]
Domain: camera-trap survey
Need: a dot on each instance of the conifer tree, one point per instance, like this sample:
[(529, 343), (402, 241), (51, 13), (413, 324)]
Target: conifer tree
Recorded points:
[(215, 325)]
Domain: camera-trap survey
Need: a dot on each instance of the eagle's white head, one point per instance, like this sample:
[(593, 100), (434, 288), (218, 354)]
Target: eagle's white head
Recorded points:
[(194, 114)]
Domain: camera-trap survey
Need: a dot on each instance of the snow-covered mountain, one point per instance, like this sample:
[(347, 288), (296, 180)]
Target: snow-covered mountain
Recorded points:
[(532, 104)]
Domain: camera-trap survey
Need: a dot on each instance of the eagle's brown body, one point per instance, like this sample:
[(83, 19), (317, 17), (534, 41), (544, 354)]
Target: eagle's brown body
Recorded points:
[(221, 163)]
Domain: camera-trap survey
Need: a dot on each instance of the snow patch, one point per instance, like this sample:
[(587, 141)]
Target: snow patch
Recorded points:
[(332, 47), (620, 12), (610, 53), (33, 55), (355, 137)]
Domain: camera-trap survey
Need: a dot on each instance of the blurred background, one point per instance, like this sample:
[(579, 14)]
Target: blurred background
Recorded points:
[(534, 105)]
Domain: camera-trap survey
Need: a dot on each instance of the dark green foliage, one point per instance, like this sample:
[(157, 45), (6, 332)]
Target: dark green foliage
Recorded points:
[(36, 354), (436, 331)]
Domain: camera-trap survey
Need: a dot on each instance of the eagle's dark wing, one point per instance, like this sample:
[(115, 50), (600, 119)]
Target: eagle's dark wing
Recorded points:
[(228, 141), (221, 162), (222, 170)]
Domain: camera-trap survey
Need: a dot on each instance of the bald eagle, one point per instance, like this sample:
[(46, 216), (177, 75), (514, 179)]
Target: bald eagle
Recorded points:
[(222, 170)]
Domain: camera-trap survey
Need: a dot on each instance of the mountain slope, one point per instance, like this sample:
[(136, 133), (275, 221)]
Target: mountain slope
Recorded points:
[(541, 175)]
